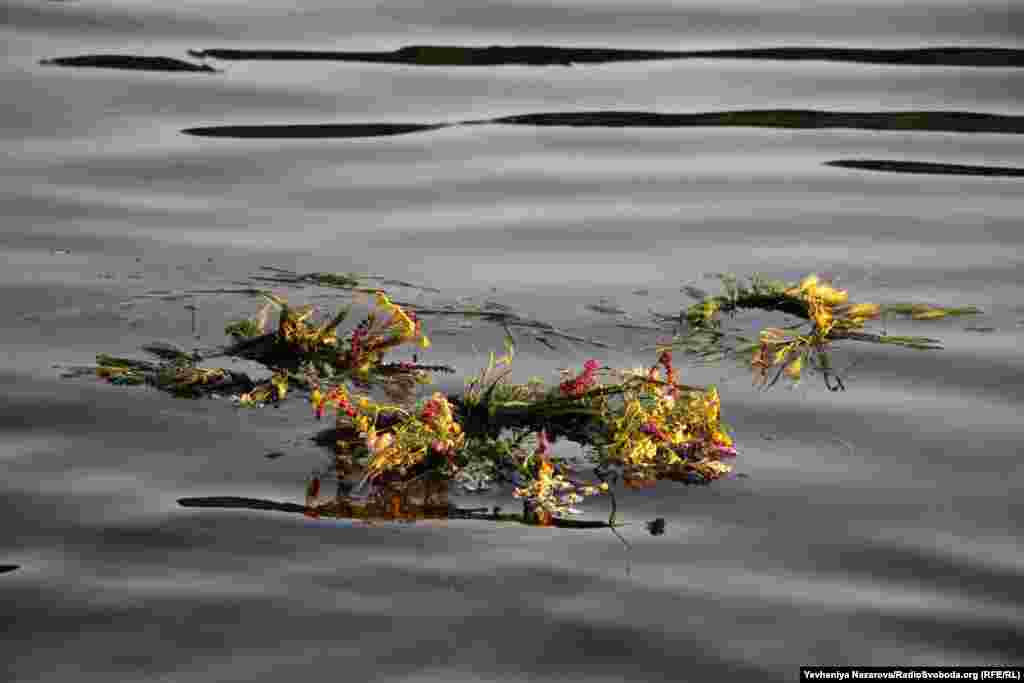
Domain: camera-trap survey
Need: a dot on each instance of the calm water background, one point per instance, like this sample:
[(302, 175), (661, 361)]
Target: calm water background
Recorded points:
[(877, 526)]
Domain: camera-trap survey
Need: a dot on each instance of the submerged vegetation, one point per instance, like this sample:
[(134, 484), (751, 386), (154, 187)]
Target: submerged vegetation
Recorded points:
[(397, 450)]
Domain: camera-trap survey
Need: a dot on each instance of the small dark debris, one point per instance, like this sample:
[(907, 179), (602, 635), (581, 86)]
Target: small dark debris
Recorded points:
[(656, 527), (275, 455)]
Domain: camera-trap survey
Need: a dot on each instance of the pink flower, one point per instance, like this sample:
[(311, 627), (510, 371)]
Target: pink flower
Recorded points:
[(543, 445)]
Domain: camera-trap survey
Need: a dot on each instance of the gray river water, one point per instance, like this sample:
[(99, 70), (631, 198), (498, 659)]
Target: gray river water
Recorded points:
[(880, 525)]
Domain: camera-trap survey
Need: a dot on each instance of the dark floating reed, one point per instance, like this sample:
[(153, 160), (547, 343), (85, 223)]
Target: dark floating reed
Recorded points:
[(453, 55), (130, 62), (548, 55), (946, 121), (895, 166), (314, 131), (938, 121)]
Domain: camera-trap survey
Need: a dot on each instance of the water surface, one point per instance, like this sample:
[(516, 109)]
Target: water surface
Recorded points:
[(880, 525)]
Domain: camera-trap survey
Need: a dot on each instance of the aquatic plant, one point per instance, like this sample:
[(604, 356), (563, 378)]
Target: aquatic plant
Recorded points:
[(396, 458)]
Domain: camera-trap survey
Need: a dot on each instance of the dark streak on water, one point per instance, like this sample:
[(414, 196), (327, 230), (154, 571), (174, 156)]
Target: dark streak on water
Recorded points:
[(894, 166), (477, 514), (5, 568), (238, 502), (327, 130), (958, 122), (546, 55), (129, 62), (949, 121)]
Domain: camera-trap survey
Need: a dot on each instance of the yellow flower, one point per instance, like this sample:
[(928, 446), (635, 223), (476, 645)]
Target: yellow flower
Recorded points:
[(822, 317), (721, 438), (362, 423), (641, 451), (377, 444), (280, 383), (714, 405), (831, 296), (793, 369)]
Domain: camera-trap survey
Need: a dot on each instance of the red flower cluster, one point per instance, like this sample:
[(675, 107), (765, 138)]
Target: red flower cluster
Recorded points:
[(356, 350), (431, 410), (577, 385), (665, 360)]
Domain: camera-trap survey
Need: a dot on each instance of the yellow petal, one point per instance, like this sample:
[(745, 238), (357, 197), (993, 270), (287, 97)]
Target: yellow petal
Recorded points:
[(833, 297), (807, 284)]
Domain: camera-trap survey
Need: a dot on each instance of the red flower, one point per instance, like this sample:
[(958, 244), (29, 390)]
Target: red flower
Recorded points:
[(580, 384)]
